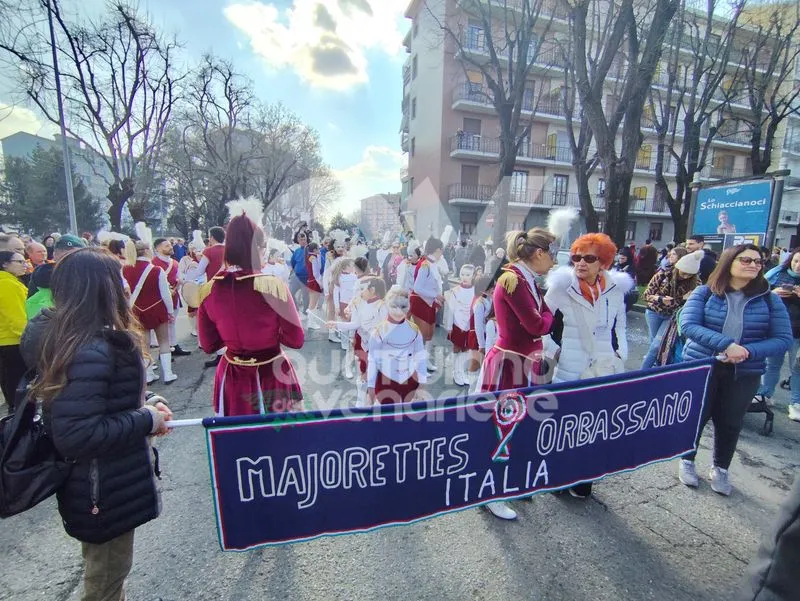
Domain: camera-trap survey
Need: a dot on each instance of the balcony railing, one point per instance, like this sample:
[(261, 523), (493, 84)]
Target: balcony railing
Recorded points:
[(475, 41), (734, 136), (470, 192), (551, 198), (547, 106), (491, 146)]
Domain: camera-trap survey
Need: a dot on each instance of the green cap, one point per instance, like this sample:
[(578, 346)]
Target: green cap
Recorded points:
[(68, 242)]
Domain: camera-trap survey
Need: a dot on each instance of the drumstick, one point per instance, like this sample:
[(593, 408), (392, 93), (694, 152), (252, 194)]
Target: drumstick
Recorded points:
[(319, 319)]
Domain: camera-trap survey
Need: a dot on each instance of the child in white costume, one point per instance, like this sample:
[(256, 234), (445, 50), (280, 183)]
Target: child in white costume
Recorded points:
[(479, 314), (458, 304), (396, 361), (365, 312)]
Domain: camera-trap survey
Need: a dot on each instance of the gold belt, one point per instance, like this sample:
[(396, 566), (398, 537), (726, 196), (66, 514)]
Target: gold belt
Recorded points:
[(251, 362), (515, 352)]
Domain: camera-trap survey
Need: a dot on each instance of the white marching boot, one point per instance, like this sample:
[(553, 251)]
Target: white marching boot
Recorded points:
[(166, 368), (313, 321), (151, 373), (429, 354), (457, 375), (361, 394), (348, 363), (502, 510)]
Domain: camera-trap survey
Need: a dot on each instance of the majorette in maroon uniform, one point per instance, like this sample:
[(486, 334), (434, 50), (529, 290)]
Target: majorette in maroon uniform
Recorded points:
[(253, 315), (150, 304), (522, 319)]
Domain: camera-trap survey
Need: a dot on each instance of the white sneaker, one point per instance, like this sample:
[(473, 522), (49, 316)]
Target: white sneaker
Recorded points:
[(687, 474), (794, 412), (720, 483), (194, 332), (501, 509)]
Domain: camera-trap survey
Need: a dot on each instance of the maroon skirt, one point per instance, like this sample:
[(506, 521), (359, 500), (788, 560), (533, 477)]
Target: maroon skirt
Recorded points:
[(313, 285), (244, 383), (153, 316), (361, 354), (472, 340), (422, 310), (389, 392), (505, 370), (459, 338)]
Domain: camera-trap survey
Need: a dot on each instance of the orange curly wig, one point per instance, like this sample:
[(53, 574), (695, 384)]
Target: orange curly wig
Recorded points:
[(605, 248)]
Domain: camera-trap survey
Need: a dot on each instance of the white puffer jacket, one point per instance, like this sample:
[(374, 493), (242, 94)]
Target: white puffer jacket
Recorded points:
[(596, 321)]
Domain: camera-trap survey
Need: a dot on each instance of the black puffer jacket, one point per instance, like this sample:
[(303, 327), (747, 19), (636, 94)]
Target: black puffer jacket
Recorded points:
[(98, 420), (772, 576)]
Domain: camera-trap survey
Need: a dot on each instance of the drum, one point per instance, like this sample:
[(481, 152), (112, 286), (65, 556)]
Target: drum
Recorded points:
[(190, 291)]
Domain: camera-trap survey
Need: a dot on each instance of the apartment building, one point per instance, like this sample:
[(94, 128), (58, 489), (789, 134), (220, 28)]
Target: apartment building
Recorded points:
[(451, 134), (380, 213), (87, 164)]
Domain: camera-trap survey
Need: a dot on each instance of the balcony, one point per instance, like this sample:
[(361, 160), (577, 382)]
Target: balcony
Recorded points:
[(546, 199), (550, 8), (474, 97), (733, 136), (474, 42), (723, 173), (472, 146)]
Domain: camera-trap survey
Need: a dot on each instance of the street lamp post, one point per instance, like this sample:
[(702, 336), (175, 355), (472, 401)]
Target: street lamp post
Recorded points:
[(73, 220)]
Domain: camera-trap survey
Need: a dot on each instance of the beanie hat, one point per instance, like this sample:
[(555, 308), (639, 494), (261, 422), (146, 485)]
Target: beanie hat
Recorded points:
[(690, 263), (68, 242)]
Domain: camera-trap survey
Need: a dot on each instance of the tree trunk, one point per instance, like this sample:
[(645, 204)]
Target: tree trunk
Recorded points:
[(508, 159), (618, 185), (585, 198), (119, 193)]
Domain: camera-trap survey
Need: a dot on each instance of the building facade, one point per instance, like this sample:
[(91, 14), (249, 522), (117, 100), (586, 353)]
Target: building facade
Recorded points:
[(87, 164), (450, 131), (380, 213)]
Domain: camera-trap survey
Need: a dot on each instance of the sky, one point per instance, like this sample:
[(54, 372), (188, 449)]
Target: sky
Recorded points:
[(336, 63)]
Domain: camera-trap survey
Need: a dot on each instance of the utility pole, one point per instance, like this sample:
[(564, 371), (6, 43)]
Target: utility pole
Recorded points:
[(73, 220)]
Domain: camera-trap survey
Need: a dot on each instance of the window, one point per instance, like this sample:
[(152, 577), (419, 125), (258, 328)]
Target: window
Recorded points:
[(472, 126), (416, 28), (414, 108), (469, 222), (630, 231), (519, 185), (640, 192), (552, 145), (722, 165), (601, 187), (414, 67), (560, 185), (656, 230), (469, 176), (413, 146), (476, 40), (527, 99), (644, 156)]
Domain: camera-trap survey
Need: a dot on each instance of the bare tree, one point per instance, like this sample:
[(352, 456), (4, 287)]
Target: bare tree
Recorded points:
[(770, 76), (601, 33), (512, 37), (119, 89), (688, 102)]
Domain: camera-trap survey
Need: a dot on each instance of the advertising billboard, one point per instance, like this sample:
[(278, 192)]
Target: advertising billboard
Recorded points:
[(741, 208)]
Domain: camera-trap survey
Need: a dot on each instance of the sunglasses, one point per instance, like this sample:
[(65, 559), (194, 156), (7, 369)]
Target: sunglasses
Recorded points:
[(588, 259), (750, 261)]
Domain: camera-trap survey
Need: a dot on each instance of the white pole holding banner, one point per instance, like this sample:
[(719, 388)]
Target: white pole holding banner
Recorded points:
[(181, 423)]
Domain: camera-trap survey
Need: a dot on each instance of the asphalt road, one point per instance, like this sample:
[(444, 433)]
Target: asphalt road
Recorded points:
[(642, 536)]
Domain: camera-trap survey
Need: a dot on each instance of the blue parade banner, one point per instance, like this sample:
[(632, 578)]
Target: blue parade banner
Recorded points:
[(284, 479), (741, 208)]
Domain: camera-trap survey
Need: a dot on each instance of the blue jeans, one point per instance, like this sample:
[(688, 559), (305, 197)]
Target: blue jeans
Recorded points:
[(773, 374), (655, 343), (654, 321)]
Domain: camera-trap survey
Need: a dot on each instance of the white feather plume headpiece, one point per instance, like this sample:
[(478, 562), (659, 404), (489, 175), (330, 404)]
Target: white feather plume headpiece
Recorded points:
[(279, 245), (447, 234), (197, 241), (387, 238), (338, 236), (104, 237), (560, 221), (358, 250), (412, 247), (144, 233), (250, 206)]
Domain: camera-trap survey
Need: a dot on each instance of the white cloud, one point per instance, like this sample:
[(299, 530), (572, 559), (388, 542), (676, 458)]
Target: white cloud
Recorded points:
[(377, 172), (324, 41), (17, 118)]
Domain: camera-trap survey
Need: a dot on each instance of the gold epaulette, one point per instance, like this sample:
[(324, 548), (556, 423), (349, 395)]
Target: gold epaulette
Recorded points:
[(508, 281), (414, 326), (205, 290), (269, 284)]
